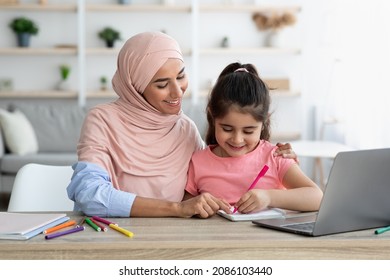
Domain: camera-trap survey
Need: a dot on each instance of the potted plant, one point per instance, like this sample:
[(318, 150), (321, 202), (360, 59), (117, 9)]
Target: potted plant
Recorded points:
[(103, 82), (23, 28), (64, 72), (109, 35)]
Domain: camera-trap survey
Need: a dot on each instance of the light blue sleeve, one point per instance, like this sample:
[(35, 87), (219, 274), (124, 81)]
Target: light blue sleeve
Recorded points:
[(93, 193)]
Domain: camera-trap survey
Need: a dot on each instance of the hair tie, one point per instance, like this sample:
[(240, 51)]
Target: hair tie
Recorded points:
[(241, 70)]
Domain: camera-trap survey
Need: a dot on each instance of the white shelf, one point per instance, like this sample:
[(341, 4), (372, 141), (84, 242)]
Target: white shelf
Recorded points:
[(39, 51), (138, 8), (115, 51), (41, 8), (102, 51), (239, 8), (285, 136), (285, 93), (251, 51), (102, 94), (149, 8), (273, 93), (38, 94)]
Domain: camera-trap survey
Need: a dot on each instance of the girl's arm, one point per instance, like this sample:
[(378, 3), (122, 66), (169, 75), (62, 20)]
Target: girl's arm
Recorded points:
[(302, 194)]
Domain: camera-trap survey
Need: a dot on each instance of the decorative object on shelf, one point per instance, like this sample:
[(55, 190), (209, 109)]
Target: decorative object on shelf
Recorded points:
[(6, 84), (272, 23), (43, 2), (63, 83), (124, 2), (225, 42), (278, 84), (24, 28), (7, 2), (168, 2), (103, 83), (109, 35)]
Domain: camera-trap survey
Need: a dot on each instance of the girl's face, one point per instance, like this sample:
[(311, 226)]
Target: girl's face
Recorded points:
[(237, 133), (166, 89)]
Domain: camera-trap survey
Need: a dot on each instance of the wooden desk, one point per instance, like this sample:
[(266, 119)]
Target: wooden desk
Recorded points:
[(214, 238)]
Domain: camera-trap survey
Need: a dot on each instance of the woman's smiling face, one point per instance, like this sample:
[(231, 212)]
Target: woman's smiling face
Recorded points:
[(166, 89)]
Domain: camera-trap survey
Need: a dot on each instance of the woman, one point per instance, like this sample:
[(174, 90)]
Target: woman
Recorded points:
[(134, 152)]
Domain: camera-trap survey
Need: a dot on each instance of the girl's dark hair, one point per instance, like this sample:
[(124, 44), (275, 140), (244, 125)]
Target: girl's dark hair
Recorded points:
[(242, 89)]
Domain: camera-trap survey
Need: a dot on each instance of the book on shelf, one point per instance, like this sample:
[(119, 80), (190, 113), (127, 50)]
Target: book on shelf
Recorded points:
[(23, 226)]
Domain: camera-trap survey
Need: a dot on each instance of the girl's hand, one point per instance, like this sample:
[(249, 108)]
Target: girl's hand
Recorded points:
[(204, 205), (253, 201), (286, 151)]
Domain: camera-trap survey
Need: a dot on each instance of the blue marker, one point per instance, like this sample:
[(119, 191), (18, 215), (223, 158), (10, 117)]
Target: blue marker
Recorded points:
[(382, 230)]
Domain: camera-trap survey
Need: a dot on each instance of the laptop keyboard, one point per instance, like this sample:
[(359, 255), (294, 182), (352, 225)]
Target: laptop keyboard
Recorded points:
[(302, 227)]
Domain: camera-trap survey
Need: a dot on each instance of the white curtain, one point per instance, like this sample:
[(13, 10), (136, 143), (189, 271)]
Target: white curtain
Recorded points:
[(359, 92)]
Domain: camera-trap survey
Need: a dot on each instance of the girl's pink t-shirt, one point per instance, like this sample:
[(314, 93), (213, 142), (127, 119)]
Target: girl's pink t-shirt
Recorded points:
[(230, 177)]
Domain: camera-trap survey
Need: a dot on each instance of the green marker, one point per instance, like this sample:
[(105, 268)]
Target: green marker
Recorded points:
[(92, 224), (382, 230)]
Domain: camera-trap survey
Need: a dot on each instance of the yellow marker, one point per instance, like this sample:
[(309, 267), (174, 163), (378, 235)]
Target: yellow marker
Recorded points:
[(121, 230)]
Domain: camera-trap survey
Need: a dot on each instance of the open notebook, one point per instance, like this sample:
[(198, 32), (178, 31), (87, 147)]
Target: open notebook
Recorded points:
[(271, 213), (23, 226)]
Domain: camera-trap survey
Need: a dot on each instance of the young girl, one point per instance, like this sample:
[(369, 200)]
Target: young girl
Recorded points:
[(238, 148)]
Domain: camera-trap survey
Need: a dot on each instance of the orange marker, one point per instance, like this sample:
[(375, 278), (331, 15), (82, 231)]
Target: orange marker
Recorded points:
[(61, 226)]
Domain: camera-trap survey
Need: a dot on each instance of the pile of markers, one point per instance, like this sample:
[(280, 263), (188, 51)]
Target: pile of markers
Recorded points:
[(95, 222)]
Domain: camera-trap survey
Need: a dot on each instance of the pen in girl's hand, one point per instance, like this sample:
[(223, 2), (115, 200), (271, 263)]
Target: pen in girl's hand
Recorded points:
[(261, 174)]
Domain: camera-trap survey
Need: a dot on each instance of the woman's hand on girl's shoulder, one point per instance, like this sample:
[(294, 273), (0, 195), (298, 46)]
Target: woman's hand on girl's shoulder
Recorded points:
[(286, 151)]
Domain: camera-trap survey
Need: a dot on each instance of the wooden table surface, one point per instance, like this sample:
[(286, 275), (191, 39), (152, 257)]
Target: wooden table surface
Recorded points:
[(179, 238)]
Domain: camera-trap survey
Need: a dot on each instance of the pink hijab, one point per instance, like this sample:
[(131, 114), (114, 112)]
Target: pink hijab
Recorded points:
[(144, 151)]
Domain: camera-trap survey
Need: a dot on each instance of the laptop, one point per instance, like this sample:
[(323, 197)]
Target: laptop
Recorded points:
[(356, 197)]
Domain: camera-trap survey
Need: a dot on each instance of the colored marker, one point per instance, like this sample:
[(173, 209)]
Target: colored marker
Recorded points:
[(261, 174), (82, 221), (121, 230), (382, 230), (61, 233), (92, 224), (103, 220), (103, 228), (61, 226)]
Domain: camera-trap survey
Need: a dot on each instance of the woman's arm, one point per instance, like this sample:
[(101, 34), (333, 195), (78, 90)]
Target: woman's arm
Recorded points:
[(94, 194), (204, 205), (91, 190)]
